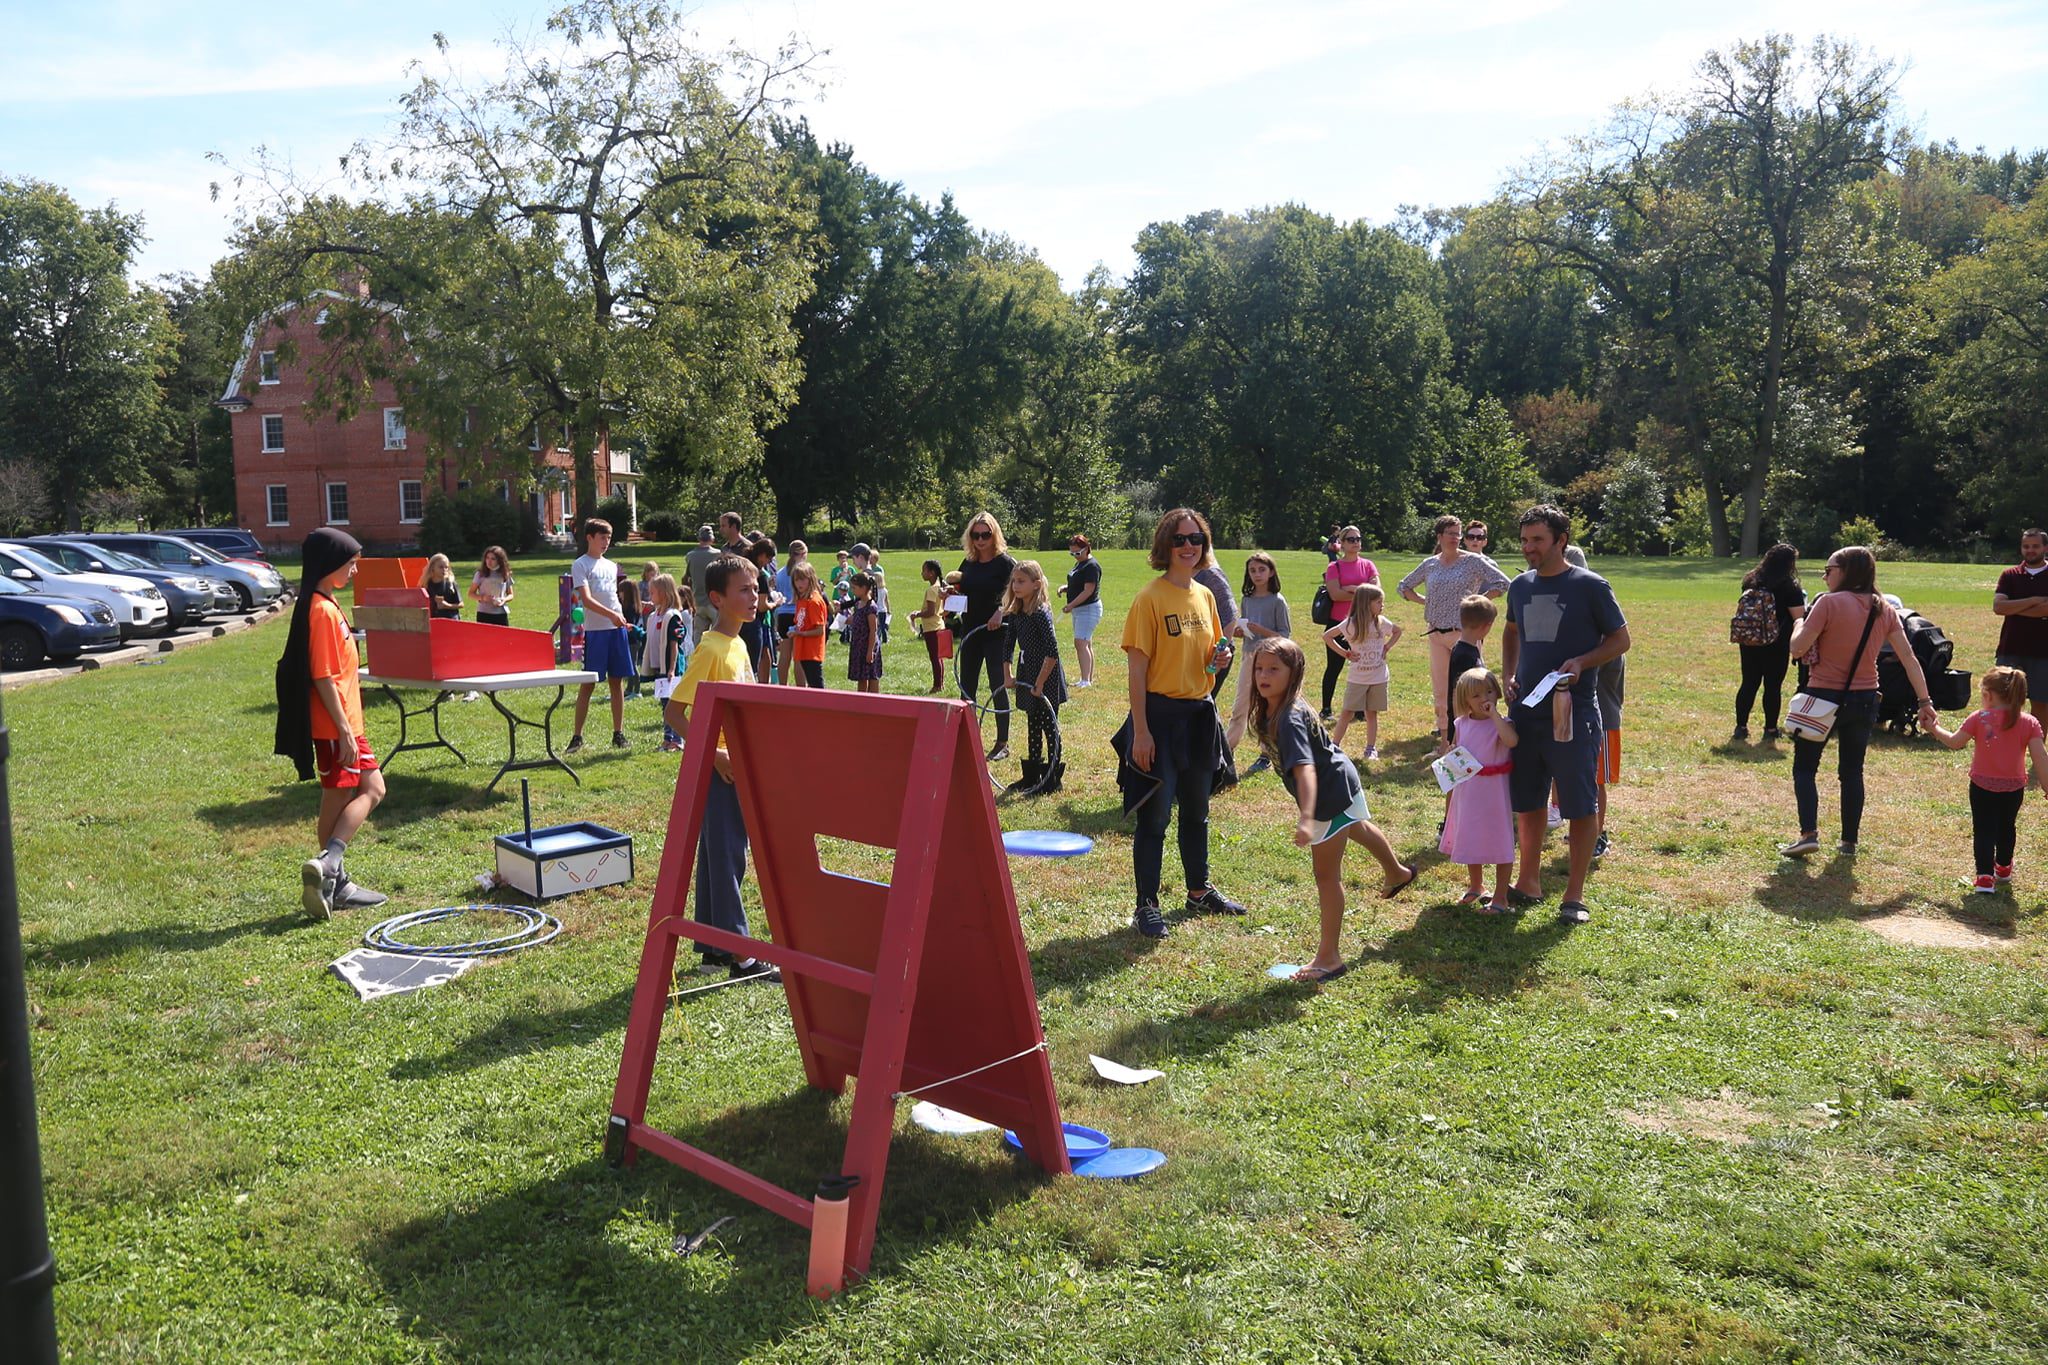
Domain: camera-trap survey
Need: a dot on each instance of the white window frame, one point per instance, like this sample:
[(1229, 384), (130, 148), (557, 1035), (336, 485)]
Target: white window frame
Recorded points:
[(272, 494), (266, 368), (533, 441), (504, 490), (264, 421), (421, 487), (394, 416), (333, 520)]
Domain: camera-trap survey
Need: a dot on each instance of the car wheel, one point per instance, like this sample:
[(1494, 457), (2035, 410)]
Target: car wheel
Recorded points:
[(20, 646), (244, 596)]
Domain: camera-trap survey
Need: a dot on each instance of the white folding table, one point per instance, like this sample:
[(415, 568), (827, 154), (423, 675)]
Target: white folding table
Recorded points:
[(490, 685)]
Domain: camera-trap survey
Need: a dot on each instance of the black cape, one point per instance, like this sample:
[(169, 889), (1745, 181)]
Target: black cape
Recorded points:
[(324, 551)]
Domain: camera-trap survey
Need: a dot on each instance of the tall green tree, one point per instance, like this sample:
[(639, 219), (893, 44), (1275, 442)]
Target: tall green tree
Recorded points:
[(593, 242), (1490, 478), (81, 349), (1287, 370)]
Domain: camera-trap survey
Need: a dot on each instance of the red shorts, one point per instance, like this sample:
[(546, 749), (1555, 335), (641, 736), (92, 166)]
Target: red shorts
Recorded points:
[(335, 777)]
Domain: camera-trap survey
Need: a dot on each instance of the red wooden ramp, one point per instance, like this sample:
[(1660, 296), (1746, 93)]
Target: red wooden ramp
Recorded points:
[(907, 986)]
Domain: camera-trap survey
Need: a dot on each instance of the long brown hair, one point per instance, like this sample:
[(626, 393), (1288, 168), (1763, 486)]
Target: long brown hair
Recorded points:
[(1263, 718)]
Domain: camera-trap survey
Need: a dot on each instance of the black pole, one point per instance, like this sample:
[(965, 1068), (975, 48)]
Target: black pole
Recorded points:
[(28, 1320)]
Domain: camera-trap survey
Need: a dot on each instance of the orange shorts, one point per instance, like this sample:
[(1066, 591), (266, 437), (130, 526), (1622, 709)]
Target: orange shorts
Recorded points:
[(1609, 768), (333, 775)]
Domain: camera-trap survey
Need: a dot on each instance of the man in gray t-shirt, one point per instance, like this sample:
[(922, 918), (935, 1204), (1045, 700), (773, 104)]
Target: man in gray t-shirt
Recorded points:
[(694, 564), (1560, 619)]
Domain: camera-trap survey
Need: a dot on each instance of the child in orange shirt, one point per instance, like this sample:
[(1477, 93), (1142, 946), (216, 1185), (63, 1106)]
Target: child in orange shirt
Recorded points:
[(317, 681), (807, 633)]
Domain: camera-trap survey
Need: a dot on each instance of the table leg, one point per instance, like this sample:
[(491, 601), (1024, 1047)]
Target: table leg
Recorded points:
[(432, 710), (513, 762)]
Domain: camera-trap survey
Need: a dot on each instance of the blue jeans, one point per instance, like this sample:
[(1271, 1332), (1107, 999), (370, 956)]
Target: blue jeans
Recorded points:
[(1851, 737), (722, 859)]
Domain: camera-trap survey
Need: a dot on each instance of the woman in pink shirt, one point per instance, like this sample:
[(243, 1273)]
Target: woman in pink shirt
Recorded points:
[(1843, 630), (2006, 737), (1346, 572)]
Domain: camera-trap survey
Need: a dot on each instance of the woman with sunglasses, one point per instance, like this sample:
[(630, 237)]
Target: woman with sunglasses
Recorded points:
[(1174, 642), (984, 577), (1450, 575), (1346, 572)]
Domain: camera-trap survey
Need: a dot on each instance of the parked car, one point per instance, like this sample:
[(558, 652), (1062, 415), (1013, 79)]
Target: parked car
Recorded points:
[(190, 596), (254, 584), (35, 626), (231, 541), (137, 606)]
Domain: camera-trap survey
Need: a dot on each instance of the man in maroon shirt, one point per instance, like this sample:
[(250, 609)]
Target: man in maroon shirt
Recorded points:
[(2022, 599)]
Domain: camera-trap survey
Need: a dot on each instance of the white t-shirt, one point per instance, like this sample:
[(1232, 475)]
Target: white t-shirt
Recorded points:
[(601, 576)]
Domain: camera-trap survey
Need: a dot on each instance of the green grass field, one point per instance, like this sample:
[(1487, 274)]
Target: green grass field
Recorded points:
[(1738, 1117)]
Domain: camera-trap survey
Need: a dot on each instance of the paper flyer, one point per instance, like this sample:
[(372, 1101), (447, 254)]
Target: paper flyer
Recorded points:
[(1454, 767), (1543, 689)]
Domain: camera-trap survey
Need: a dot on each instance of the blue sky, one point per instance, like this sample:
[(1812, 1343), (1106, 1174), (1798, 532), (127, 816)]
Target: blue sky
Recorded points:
[(1067, 125)]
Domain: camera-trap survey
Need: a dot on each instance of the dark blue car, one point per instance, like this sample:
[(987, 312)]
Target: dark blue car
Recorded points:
[(35, 626)]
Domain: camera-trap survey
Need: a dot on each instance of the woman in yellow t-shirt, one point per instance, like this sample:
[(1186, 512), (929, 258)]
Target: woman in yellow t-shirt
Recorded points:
[(1175, 645)]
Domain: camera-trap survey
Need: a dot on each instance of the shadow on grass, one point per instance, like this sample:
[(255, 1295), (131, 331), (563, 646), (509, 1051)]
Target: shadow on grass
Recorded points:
[(1080, 960), (165, 939), (1760, 752), (1208, 1026), (1451, 953), (1808, 891), (410, 797), (562, 1268), (516, 1035)]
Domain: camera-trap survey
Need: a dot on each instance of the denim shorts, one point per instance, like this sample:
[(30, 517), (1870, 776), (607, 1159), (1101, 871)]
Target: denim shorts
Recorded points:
[(1086, 619)]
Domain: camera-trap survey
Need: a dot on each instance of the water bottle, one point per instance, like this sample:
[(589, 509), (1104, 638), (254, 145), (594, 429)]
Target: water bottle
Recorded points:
[(829, 1210), (1219, 657), (576, 632)]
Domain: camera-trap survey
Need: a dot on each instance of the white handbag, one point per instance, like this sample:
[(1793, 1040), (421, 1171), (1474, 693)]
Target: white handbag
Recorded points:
[(1811, 717)]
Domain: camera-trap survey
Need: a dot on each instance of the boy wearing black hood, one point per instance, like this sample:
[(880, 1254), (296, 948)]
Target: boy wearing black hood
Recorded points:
[(320, 721)]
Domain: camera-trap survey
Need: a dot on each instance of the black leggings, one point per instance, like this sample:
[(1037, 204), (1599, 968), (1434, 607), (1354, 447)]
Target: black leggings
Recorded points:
[(1333, 669), (1763, 666), (985, 652), (1994, 826)]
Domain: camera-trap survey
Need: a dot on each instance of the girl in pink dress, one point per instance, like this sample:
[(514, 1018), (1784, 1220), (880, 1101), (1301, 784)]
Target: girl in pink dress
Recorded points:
[(1479, 828)]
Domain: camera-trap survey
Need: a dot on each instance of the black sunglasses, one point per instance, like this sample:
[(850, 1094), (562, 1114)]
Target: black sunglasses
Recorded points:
[(1475, 535), (1351, 539), (1194, 538), (981, 535)]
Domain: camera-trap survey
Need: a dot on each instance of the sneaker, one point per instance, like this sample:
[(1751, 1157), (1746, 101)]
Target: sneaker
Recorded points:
[(1600, 845), (1261, 764), (999, 753), (472, 696), (619, 740), (2002, 871), (1148, 921), (1773, 734), (1372, 753), (349, 896), (754, 969), (1846, 849), (1741, 735), (1800, 847), (1985, 885), (316, 889), (1325, 715), (1213, 902), (1554, 818), (574, 746)]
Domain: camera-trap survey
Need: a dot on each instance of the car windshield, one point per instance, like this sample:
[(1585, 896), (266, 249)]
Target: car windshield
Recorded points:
[(119, 559), (35, 561), (10, 588), (211, 555)]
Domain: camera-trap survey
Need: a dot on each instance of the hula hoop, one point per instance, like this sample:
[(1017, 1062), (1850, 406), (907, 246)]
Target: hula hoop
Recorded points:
[(1026, 706), (535, 928)]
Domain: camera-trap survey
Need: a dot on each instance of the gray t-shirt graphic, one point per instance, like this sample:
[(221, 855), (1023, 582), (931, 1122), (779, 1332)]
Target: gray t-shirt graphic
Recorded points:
[(1559, 618)]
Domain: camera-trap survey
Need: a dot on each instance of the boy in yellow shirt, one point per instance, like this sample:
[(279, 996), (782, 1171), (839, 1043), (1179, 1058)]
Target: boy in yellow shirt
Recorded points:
[(733, 589)]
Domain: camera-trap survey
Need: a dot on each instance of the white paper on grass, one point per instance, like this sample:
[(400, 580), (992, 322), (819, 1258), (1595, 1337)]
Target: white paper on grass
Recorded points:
[(1542, 689), (1459, 765), (374, 975), (1121, 1074), (939, 1119)]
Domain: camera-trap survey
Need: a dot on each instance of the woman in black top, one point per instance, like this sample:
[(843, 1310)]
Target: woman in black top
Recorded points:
[(444, 599), (984, 577), (1764, 665), (755, 633)]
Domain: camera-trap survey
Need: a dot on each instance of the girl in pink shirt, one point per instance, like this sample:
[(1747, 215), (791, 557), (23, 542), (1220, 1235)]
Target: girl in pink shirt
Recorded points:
[(2006, 736)]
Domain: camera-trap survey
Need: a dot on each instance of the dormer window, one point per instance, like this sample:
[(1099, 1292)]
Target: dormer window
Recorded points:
[(266, 366)]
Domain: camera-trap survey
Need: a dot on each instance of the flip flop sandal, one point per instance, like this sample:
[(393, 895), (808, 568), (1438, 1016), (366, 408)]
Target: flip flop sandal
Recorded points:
[(1470, 896), (1394, 891), (1487, 905), (1316, 976), (1519, 899), (1571, 912)]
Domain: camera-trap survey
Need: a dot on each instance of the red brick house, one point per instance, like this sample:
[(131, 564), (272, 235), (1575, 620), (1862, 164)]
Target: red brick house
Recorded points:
[(295, 471)]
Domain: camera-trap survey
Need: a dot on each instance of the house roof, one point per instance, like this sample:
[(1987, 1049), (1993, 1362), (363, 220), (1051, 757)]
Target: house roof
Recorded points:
[(233, 391)]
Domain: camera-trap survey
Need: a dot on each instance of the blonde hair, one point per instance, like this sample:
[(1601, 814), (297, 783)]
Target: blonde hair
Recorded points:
[(650, 567), (1030, 569), (995, 527), (1477, 610), (1363, 596), (438, 569), (1470, 683), (2009, 685), (664, 593)]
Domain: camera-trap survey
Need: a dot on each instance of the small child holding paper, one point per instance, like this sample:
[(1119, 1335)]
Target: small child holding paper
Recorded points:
[(1479, 828)]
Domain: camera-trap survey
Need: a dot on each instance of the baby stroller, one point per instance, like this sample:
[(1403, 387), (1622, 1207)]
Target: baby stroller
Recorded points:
[(1897, 709)]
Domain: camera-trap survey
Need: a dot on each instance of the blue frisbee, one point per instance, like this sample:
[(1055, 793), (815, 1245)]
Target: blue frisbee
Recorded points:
[(1045, 843), (1083, 1144), (1121, 1163)]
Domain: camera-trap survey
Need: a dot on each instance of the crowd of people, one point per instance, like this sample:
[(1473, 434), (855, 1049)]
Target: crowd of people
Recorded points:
[(1521, 747)]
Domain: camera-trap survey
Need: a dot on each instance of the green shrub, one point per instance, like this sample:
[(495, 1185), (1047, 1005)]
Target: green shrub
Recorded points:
[(663, 524), (619, 513), (465, 523)]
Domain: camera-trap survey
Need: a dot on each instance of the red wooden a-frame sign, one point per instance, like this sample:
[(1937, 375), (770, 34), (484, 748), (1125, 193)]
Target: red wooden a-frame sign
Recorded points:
[(901, 985)]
